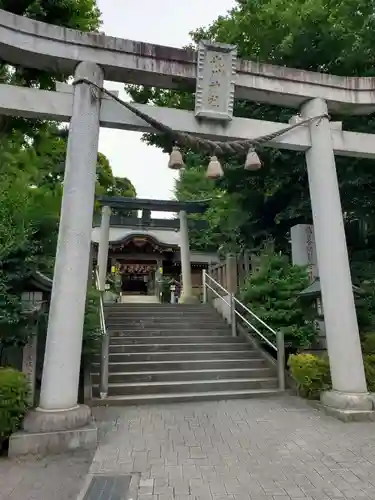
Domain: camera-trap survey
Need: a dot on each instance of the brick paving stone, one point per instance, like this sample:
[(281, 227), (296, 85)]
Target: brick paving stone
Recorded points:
[(57, 477), (270, 449)]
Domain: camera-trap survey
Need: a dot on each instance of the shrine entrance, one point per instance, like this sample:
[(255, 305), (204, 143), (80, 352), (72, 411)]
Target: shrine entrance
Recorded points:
[(217, 78), (138, 279)]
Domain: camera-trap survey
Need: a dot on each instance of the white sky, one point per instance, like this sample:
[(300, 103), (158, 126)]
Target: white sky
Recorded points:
[(164, 22)]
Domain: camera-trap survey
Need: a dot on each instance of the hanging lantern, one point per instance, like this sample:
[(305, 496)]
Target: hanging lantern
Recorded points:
[(252, 160), (175, 159), (214, 169)]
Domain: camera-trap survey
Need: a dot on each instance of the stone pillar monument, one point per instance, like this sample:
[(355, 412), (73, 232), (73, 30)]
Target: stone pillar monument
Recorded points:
[(304, 249), (304, 254), (59, 421), (103, 246), (349, 392), (231, 273), (187, 291)]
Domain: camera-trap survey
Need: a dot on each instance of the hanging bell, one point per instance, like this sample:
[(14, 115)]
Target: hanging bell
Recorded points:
[(175, 159), (214, 169), (293, 120), (252, 160)]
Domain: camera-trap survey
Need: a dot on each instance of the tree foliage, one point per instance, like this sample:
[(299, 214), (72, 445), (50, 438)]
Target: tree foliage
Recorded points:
[(335, 36), (31, 180), (272, 293), (28, 227), (32, 162), (222, 216), (82, 15)]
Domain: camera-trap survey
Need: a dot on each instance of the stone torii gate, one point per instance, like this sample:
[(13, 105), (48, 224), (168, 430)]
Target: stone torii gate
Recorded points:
[(219, 78), (181, 207)]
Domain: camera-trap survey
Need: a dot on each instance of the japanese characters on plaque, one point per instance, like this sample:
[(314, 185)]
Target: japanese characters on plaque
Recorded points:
[(216, 71), (311, 252)]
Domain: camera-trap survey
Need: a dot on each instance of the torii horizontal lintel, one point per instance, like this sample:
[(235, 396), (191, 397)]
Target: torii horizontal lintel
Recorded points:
[(34, 44), (49, 105)]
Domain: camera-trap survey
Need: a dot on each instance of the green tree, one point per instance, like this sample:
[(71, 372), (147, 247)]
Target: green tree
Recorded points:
[(30, 198), (82, 15), (28, 224), (110, 185), (333, 36), (222, 216), (272, 293)]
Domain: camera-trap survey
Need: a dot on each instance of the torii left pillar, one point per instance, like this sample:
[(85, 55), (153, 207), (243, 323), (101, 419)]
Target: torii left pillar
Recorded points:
[(60, 423)]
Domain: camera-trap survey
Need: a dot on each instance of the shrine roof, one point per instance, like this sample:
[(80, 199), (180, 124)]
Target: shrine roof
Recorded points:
[(165, 237), (118, 234), (314, 289), (39, 282)]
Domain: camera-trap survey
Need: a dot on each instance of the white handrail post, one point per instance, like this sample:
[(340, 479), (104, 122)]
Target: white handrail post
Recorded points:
[(233, 319), (204, 285), (280, 359)]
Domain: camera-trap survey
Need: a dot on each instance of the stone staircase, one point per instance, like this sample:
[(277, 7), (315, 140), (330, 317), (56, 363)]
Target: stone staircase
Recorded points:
[(171, 353)]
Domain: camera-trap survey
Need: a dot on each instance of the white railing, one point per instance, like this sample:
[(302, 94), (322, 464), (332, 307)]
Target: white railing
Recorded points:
[(104, 352), (237, 310)]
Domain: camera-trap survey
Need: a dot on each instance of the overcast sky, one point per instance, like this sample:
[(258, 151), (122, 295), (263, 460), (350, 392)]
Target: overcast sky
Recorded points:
[(164, 22)]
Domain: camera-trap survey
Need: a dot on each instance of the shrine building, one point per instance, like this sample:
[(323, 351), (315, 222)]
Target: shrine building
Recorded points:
[(143, 248)]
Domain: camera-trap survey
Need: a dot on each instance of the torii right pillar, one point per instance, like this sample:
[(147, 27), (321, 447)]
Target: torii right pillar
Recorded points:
[(187, 296), (349, 398)]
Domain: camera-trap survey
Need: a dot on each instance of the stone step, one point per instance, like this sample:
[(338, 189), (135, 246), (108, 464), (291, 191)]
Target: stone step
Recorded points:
[(179, 307), (187, 364), (174, 348), (165, 325), (185, 375), (148, 316), (173, 353), (185, 332), (210, 317), (178, 339), (186, 386), (139, 299), (184, 397), (182, 356), (160, 307)]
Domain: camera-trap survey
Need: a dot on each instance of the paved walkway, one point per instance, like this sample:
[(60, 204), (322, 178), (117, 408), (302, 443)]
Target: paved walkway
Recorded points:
[(272, 449), (50, 478)]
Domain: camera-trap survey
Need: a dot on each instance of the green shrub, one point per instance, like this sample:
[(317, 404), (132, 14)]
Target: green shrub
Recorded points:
[(368, 344), (310, 373), (273, 293), (14, 390), (368, 350), (369, 363)]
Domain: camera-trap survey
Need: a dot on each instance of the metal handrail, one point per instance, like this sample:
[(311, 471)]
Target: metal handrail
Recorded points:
[(278, 346), (255, 316), (104, 354), (218, 294), (273, 346)]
